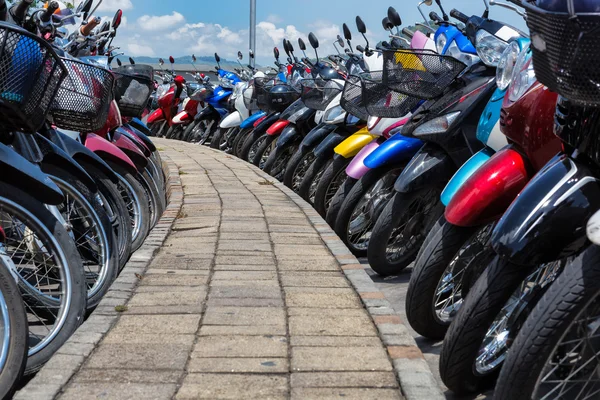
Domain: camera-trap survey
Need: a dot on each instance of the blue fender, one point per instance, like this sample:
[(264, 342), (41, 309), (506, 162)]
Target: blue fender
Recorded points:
[(140, 126), (289, 135), (317, 134), (430, 166), (394, 150), (249, 122), (490, 119), (467, 169)]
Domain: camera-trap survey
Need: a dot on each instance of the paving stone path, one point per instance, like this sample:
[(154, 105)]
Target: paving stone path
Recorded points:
[(243, 300)]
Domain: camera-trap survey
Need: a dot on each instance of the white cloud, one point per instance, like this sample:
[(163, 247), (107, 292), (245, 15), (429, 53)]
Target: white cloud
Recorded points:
[(114, 5), (134, 49), (162, 22), (276, 19)]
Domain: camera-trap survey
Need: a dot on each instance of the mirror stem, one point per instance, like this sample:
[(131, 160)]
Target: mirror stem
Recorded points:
[(423, 14)]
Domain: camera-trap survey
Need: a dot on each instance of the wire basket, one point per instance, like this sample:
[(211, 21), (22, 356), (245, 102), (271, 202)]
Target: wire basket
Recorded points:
[(381, 100), (143, 70), (318, 93), (419, 73), (352, 98), (566, 53), (199, 92), (83, 100), (30, 76), (132, 93), (262, 87)]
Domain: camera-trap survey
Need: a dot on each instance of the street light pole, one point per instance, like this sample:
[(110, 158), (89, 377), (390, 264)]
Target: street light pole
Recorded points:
[(253, 30)]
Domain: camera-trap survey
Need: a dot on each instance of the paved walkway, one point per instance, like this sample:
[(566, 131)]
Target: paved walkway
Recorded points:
[(249, 296)]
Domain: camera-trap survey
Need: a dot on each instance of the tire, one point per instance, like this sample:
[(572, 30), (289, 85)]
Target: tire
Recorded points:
[(240, 139), (297, 167), (69, 309), (551, 322), (116, 210), (251, 147), (154, 202), (12, 310), (338, 200), (308, 186), (187, 133), (416, 212), (85, 212), (136, 201), (158, 128), (486, 300), (201, 131), (157, 175), (173, 132), (219, 140), (278, 160), (379, 185), (333, 177), (264, 151)]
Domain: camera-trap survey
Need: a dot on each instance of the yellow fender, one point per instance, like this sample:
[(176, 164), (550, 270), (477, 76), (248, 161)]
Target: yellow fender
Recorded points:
[(353, 144)]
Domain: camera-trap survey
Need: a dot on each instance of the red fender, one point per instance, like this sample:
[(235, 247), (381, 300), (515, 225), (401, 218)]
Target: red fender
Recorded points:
[(131, 149), (486, 195), (156, 116), (277, 127), (261, 119), (109, 152)]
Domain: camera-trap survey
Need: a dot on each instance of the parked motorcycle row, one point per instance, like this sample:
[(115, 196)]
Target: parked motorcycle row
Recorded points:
[(466, 147), (82, 183)]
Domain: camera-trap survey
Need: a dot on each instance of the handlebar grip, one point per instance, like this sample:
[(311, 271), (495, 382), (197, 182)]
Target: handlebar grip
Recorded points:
[(459, 16), (47, 14), (20, 11), (87, 29), (408, 32), (434, 17)]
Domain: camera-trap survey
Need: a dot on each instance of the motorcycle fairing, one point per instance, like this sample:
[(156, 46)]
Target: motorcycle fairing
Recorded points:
[(289, 134), (141, 135), (156, 116), (396, 149), (354, 143), (317, 134), (464, 172), (327, 145), (232, 120), (109, 152), (131, 149), (357, 168), (249, 122)]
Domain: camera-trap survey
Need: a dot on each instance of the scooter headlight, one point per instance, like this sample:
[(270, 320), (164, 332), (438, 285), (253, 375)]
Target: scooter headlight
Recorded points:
[(506, 66), (440, 43), (332, 114), (489, 48), (436, 125), (523, 75), (162, 90), (467, 59)]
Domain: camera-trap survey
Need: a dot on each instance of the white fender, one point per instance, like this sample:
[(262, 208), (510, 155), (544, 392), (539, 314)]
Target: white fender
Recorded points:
[(497, 140), (181, 118), (232, 120)]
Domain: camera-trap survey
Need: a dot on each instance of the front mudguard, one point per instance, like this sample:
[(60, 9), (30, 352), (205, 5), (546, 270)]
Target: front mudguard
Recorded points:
[(208, 113), (251, 120), (316, 135), (131, 149), (547, 221), (289, 135), (232, 120), (354, 143), (140, 126), (135, 140), (357, 168), (395, 150), (262, 127), (142, 136), (109, 152), (429, 167), (157, 116), (19, 172), (464, 172), (326, 149)]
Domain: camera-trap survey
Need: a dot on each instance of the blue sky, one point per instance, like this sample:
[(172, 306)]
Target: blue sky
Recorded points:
[(183, 27)]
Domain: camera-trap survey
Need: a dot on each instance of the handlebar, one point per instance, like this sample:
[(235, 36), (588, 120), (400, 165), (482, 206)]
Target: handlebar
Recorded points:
[(436, 18), (87, 29), (459, 16), (20, 10), (408, 32), (47, 14)]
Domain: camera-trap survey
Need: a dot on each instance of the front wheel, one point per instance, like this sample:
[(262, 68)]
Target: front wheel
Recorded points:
[(401, 229), (297, 167), (338, 200), (238, 142), (267, 145), (187, 133), (158, 128), (278, 160), (220, 139), (331, 180)]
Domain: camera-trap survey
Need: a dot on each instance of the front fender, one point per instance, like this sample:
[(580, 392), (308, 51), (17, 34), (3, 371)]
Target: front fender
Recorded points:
[(547, 221), (249, 122), (131, 149), (140, 126), (207, 112), (19, 172), (156, 116), (109, 152), (316, 135), (277, 127), (396, 149), (354, 143), (430, 166), (357, 168), (464, 172), (232, 120), (288, 135), (141, 136), (135, 140), (486, 195), (327, 146), (182, 118)]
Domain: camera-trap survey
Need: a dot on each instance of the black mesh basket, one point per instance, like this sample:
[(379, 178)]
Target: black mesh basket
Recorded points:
[(262, 86), (352, 98), (566, 53), (143, 70), (318, 93), (30, 76), (381, 100), (132, 93), (84, 97), (281, 99), (419, 73)]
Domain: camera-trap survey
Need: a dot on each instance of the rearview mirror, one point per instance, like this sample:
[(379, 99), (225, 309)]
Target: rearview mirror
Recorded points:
[(119, 62), (131, 61), (285, 47), (194, 58), (276, 53), (105, 26), (217, 58), (301, 44), (347, 33), (314, 42), (171, 60), (161, 62), (84, 8), (360, 25), (340, 41), (251, 54), (387, 25), (240, 56), (428, 2), (116, 22), (394, 17)]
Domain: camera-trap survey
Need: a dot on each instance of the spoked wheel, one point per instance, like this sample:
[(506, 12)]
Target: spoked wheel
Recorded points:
[(308, 186), (297, 167), (238, 142), (338, 200), (13, 333), (203, 131), (401, 229), (49, 271), (221, 138), (264, 151), (187, 133), (277, 162), (154, 203), (331, 180), (158, 128)]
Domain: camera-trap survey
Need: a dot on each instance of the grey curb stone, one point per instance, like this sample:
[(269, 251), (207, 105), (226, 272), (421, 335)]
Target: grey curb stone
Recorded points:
[(53, 377)]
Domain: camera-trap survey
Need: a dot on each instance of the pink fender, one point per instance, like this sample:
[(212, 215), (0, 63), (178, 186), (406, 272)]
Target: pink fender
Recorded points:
[(131, 149), (156, 116), (140, 142), (357, 169), (109, 152), (182, 118)]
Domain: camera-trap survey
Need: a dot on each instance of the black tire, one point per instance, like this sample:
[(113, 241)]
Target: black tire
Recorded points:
[(46, 226), (187, 133), (297, 167), (249, 142), (466, 333), (574, 292), (240, 139), (173, 132), (308, 186), (16, 357), (154, 203), (158, 128), (219, 140), (116, 210), (201, 131), (386, 176), (416, 213), (157, 174), (333, 177), (136, 201), (338, 200), (278, 160), (96, 214), (264, 151)]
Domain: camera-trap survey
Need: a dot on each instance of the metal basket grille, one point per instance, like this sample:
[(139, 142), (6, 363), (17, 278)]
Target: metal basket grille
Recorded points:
[(382, 101), (352, 98), (419, 73), (132, 94), (143, 70), (30, 76), (83, 100), (318, 93), (262, 86)]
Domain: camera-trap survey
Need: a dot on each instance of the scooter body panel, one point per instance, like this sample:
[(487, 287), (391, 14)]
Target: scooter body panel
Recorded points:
[(156, 116), (354, 143), (327, 146), (357, 168), (317, 134), (232, 120), (289, 135), (394, 150), (141, 136), (109, 152), (251, 120), (277, 127)]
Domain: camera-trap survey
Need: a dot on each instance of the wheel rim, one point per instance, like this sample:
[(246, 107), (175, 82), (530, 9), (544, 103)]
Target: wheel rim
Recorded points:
[(254, 148), (266, 154), (363, 218), (334, 185), (281, 162), (133, 204), (506, 325), (90, 239), (115, 220), (312, 191), (5, 330), (39, 263), (301, 170), (412, 227), (572, 370)]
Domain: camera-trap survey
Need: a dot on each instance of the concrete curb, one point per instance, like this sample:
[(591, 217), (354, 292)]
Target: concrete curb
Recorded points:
[(416, 379), (65, 363)]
